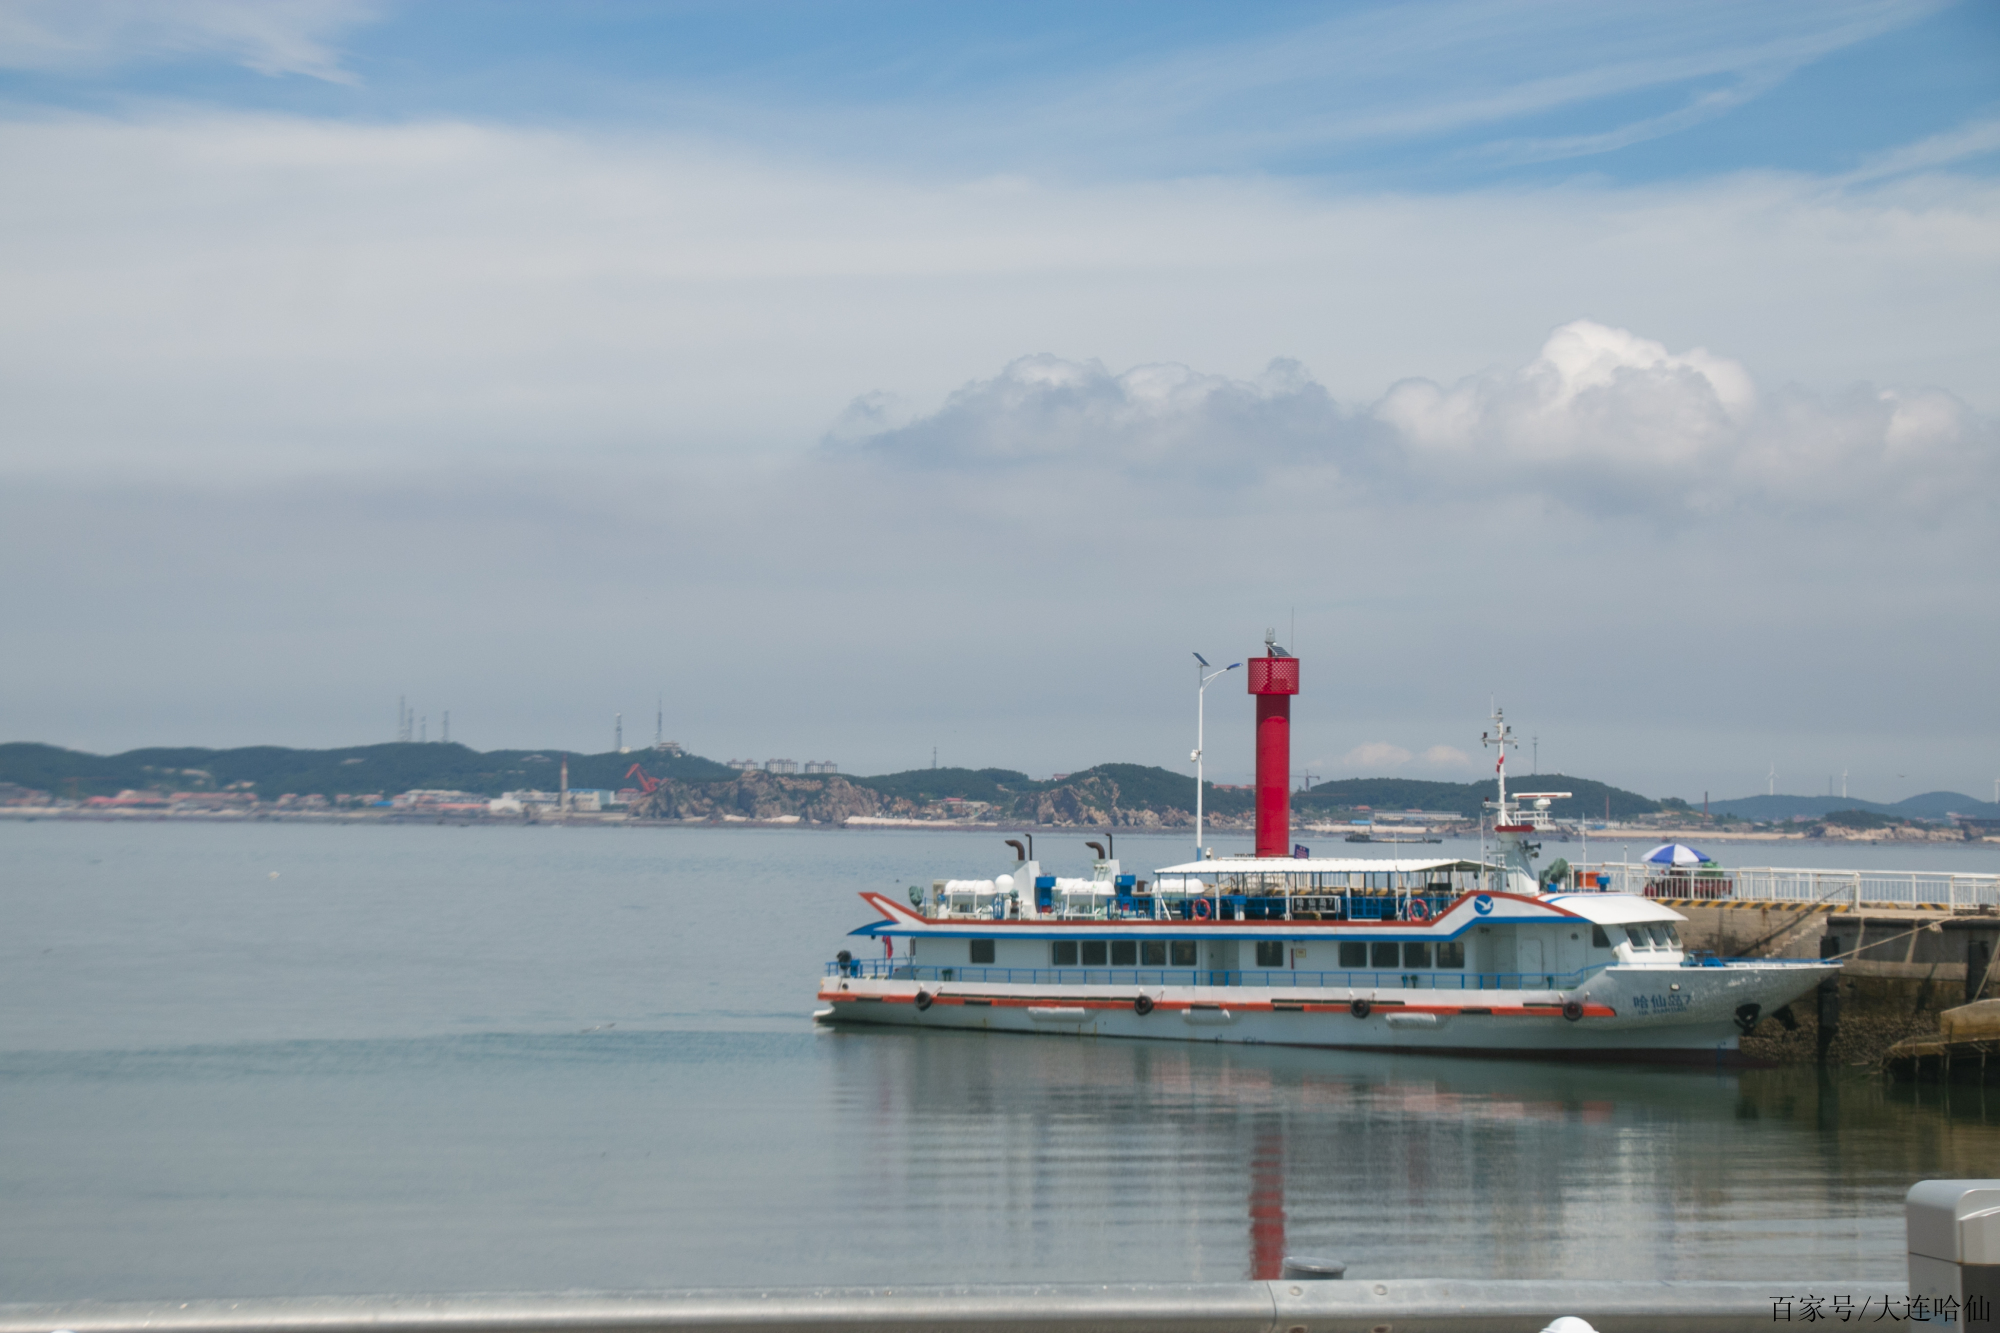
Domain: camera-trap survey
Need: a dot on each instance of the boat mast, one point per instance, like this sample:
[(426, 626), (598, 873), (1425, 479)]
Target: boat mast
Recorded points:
[(1506, 836)]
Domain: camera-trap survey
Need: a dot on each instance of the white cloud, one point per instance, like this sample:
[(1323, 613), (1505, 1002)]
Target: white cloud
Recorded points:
[(1445, 756), (272, 37), (1043, 409), (1374, 756), (1385, 74), (1601, 419), (1975, 138), (260, 293), (1605, 416), (1378, 758)]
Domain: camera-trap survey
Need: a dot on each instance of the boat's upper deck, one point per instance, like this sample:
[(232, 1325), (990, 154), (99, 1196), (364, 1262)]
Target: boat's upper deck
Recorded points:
[(1232, 889)]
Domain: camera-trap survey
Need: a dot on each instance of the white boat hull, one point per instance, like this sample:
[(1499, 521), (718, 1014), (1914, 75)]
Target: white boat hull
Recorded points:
[(1638, 1013)]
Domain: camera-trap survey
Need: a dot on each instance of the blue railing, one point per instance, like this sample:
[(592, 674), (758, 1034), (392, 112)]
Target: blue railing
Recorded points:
[(1403, 978), (1240, 907)]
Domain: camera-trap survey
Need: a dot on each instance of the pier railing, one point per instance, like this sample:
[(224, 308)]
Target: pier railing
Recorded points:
[(1935, 890)]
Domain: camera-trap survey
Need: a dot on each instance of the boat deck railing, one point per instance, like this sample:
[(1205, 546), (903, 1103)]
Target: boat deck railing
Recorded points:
[(1934, 890), (883, 969), (886, 969), (1315, 905)]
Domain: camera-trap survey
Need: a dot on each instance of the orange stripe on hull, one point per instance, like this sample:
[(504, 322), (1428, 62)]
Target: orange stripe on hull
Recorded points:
[(1246, 1007)]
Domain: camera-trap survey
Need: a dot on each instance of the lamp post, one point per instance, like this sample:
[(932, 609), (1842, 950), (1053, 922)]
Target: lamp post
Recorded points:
[(1201, 689)]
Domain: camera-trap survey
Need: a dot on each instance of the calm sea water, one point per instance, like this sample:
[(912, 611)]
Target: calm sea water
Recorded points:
[(280, 1059)]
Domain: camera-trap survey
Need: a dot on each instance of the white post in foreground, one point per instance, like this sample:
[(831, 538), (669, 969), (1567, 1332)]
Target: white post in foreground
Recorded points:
[(1201, 689)]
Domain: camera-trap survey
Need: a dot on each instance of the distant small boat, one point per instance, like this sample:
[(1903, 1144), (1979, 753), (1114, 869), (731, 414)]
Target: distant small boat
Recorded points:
[(1397, 836)]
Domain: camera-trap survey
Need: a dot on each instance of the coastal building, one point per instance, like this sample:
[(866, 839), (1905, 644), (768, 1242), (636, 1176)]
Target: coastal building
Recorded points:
[(521, 802), (123, 800), (821, 766)]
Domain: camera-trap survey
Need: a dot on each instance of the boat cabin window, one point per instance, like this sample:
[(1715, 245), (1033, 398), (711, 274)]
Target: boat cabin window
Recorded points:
[(1153, 953), (1664, 937), (1451, 953), (1062, 953), (1640, 939), (1094, 953), (1124, 953), (1183, 953), (1353, 953), (1598, 939), (982, 951), (1416, 953), (1385, 953), (1270, 953)]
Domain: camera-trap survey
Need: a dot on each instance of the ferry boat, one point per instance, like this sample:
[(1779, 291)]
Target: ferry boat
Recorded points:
[(1438, 955)]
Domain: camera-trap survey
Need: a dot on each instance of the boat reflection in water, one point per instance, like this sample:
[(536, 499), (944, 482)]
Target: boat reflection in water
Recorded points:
[(1141, 1160)]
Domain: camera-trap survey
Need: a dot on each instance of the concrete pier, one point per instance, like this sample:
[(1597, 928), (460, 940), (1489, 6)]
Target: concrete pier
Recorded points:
[(1903, 969)]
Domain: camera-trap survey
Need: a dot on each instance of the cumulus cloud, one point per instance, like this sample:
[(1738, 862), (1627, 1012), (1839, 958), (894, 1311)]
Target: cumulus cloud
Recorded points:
[(273, 37), (1603, 415), (1601, 418), (1372, 758), (1044, 409), (1445, 756)]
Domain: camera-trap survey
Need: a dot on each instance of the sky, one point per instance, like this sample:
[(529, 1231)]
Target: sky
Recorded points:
[(849, 380)]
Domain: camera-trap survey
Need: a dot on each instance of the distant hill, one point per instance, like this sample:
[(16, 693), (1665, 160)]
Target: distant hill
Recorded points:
[(1140, 787), (1939, 804), (1147, 787), (1107, 793), (356, 770), (1587, 797), (1933, 805)]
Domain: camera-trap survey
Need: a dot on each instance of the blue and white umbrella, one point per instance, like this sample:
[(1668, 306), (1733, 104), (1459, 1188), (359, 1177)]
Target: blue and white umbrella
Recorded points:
[(1674, 854)]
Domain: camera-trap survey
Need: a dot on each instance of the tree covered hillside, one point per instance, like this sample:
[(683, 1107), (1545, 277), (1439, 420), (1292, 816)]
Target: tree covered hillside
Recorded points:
[(1106, 794), (273, 770)]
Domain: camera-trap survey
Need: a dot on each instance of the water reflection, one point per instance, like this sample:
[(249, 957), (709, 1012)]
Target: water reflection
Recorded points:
[(1395, 1164), (448, 1060)]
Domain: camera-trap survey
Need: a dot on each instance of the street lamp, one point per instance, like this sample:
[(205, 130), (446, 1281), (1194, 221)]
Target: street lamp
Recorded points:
[(1201, 689)]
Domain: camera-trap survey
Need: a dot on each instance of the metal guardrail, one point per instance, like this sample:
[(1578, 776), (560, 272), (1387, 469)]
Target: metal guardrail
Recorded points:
[(1777, 884), (880, 969), (1428, 1305)]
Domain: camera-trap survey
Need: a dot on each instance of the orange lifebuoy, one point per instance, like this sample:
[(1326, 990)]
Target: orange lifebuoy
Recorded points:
[(1417, 910), (1200, 910)]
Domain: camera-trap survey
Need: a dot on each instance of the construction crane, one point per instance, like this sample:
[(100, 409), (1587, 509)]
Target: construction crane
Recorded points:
[(646, 784)]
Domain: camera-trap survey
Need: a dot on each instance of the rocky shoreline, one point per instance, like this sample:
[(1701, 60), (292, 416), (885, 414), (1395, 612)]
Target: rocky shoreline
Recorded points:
[(1090, 802)]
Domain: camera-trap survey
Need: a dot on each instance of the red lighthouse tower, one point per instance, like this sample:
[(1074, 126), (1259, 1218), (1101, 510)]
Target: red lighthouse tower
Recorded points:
[(1274, 679)]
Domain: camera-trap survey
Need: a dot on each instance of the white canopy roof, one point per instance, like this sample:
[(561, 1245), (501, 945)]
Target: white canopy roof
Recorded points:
[(1324, 865), (1613, 909)]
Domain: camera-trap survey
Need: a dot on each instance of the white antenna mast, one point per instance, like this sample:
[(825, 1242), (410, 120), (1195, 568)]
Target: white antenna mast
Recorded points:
[(1500, 737)]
